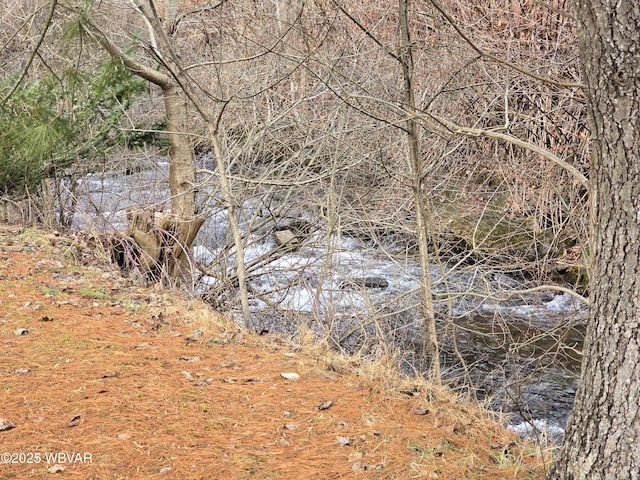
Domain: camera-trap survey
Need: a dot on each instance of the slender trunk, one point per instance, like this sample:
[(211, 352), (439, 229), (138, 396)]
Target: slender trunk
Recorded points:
[(230, 200), (289, 14), (601, 441), (419, 196)]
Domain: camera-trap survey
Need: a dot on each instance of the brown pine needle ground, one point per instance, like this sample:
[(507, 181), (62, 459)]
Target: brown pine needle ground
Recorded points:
[(105, 376)]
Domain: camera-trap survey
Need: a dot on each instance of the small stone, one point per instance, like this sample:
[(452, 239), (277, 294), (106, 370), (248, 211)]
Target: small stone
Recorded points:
[(19, 332), (203, 383), (6, 425), (193, 336), (325, 405), (344, 441), (185, 358), (22, 371), (366, 282), (290, 375), (286, 237), (57, 468)]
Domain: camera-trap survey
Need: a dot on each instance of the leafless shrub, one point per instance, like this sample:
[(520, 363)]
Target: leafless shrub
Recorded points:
[(309, 105)]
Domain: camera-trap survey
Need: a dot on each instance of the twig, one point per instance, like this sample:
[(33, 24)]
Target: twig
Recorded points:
[(496, 58)]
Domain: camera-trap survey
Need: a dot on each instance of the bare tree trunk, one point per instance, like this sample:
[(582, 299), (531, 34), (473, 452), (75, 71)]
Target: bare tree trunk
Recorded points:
[(173, 235), (289, 13), (419, 196), (181, 161), (164, 240), (230, 200), (602, 439), (181, 172)]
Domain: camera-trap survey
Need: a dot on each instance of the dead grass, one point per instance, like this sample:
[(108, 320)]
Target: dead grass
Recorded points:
[(115, 371)]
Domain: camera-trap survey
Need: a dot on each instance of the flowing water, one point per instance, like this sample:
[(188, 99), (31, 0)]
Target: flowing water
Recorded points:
[(521, 355)]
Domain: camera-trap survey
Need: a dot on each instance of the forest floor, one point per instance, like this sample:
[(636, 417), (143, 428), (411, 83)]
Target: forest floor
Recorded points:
[(102, 378)]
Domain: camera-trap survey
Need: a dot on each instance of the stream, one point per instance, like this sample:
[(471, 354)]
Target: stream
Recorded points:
[(518, 353)]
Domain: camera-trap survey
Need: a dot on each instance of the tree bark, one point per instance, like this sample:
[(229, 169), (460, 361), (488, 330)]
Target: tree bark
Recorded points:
[(181, 172), (430, 340), (230, 199), (163, 241), (176, 101), (602, 440), (181, 159)]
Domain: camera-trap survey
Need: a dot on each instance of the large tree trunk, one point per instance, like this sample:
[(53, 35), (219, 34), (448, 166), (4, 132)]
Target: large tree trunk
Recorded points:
[(181, 161), (181, 172), (164, 241), (603, 437)]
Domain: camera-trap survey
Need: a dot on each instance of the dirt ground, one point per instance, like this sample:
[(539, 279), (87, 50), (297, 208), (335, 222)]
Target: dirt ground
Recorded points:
[(104, 379)]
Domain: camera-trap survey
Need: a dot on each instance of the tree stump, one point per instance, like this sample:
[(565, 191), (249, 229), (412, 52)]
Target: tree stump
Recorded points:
[(164, 241)]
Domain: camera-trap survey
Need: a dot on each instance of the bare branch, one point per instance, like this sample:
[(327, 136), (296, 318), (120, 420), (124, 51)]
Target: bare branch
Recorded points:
[(24, 23), (145, 19), (453, 127), (496, 58), (480, 132), (205, 8), (140, 69), (23, 74), (366, 31), (542, 288), (267, 50), (557, 10)]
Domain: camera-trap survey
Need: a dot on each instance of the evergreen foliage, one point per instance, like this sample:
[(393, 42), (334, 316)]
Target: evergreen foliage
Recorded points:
[(60, 120)]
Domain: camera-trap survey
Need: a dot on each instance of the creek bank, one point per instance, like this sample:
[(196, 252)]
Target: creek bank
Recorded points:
[(359, 295)]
